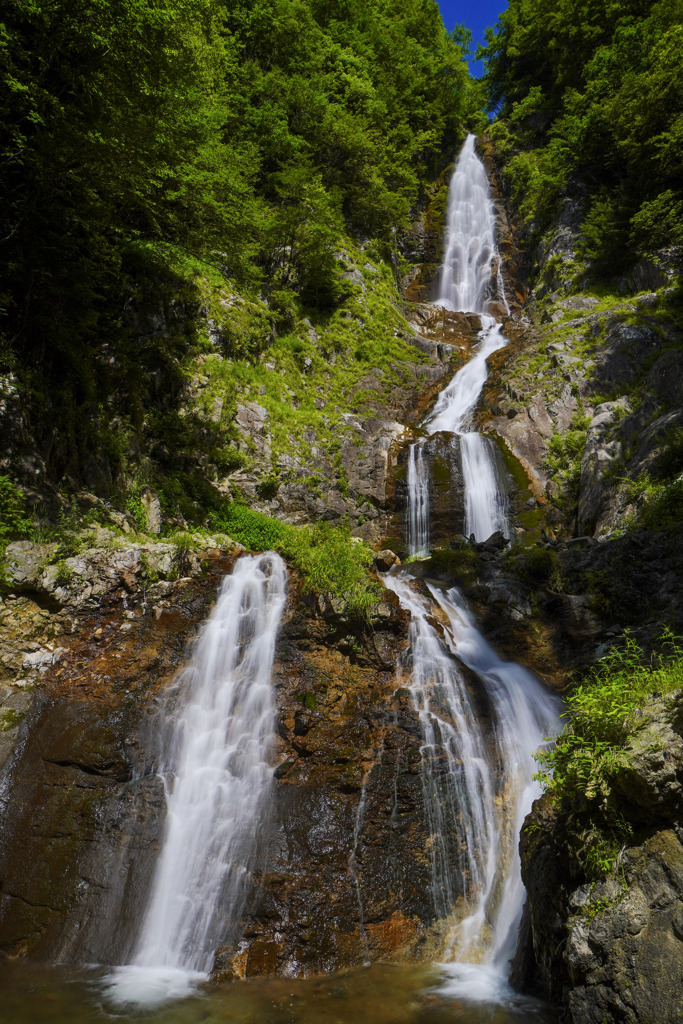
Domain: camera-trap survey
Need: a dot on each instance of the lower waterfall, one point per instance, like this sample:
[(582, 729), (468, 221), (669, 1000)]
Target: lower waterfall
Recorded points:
[(216, 739), (477, 791)]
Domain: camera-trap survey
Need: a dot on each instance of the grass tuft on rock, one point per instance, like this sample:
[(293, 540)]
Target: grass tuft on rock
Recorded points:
[(326, 557)]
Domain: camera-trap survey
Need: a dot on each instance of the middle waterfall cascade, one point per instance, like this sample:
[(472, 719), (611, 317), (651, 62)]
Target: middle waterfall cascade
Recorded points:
[(216, 745), (469, 283), (486, 506)]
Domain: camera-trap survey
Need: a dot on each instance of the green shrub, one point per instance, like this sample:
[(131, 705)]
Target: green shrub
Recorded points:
[(664, 510), (564, 450), (136, 508), (669, 462), (658, 223), (255, 531), (461, 562), (600, 716), (268, 486), (15, 521), (327, 558), (64, 573), (536, 565)]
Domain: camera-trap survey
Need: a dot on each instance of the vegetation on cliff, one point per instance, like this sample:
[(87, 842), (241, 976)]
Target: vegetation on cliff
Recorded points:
[(146, 145), (604, 716), (326, 557), (590, 105)]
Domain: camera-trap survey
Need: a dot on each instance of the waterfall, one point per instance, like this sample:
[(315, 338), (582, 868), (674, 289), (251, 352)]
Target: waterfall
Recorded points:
[(470, 281), (485, 497), (418, 502), (477, 792), (456, 775), (216, 740), (478, 784), (456, 403), (524, 714)]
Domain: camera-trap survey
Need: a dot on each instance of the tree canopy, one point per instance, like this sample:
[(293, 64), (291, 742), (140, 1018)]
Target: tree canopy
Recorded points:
[(591, 94), (252, 134)]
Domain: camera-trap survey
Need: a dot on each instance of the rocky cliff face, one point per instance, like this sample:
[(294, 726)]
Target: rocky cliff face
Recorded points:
[(348, 873)]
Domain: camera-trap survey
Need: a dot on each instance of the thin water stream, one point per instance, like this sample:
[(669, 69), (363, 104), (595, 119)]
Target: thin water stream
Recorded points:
[(418, 504)]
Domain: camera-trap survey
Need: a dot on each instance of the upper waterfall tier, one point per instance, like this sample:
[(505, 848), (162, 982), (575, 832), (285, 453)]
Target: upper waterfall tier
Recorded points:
[(469, 276)]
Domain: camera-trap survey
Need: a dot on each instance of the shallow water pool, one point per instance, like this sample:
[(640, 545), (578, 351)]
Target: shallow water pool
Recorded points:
[(380, 994)]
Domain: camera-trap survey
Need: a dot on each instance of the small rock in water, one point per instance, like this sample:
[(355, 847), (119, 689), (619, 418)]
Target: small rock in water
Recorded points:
[(386, 560)]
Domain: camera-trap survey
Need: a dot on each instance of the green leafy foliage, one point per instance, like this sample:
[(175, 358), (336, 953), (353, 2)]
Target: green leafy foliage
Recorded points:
[(328, 559), (249, 137), (461, 563), (563, 458), (591, 101), (15, 520), (577, 770), (536, 565)]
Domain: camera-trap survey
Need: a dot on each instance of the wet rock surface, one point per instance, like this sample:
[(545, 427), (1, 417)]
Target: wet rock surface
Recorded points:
[(626, 960), (441, 454), (613, 949), (78, 763), (347, 875)]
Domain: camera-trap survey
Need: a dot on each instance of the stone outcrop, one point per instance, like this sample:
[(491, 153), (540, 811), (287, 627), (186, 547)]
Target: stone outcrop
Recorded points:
[(552, 379), (49, 601), (613, 949), (599, 456)]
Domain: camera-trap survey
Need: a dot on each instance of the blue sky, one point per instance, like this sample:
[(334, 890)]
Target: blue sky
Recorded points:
[(476, 14)]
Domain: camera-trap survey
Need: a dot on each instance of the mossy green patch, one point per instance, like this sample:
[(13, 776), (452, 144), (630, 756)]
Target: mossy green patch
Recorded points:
[(10, 719), (460, 563)]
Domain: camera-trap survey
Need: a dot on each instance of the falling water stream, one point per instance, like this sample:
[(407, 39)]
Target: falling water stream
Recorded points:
[(470, 282), (487, 786), (418, 504), (216, 742), (477, 779)]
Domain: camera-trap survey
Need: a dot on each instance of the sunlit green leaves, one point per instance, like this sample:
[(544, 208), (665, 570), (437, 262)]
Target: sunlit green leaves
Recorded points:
[(593, 96)]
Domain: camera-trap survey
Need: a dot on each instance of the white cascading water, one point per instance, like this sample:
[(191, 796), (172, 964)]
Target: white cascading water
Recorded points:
[(418, 502), (459, 802), (470, 282), (524, 715), (470, 244), (487, 788), (216, 744), (486, 504)]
